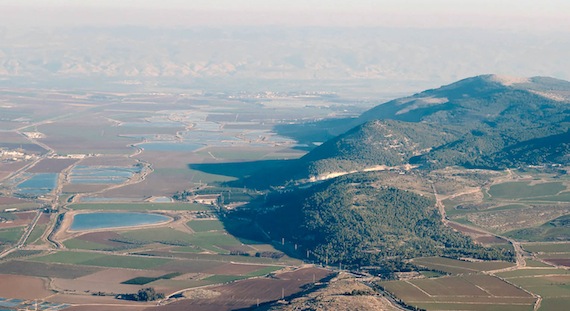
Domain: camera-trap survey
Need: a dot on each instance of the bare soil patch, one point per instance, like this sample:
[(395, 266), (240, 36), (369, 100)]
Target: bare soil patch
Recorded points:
[(559, 261), (108, 161), (52, 165), (464, 229), (90, 286), (83, 188), (13, 166), (246, 293), (11, 200), (119, 275), (23, 287), (23, 219), (44, 219), (96, 302)]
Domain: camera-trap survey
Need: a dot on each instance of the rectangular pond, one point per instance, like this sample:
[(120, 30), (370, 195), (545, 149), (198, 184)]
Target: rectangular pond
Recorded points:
[(103, 220)]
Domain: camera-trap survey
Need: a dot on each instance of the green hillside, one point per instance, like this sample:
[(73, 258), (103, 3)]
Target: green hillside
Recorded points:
[(477, 122), (356, 221)]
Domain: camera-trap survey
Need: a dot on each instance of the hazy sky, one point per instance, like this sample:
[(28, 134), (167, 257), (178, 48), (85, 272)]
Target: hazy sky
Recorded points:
[(509, 14)]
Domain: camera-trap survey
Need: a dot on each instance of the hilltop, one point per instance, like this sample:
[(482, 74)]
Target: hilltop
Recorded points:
[(486, 121)]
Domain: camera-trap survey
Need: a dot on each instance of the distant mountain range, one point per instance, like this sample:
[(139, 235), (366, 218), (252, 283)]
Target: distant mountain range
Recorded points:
[(396, 59)]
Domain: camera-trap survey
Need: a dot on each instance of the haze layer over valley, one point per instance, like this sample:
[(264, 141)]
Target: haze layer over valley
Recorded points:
[(265, 155)]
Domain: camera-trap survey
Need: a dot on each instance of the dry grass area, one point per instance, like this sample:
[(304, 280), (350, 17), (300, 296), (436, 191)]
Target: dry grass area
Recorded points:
[(339, 294), (12, 200), (507, 220)]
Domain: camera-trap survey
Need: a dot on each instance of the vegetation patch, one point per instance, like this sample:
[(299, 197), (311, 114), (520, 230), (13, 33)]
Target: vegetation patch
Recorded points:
[(353, 220), (144, 294), (36, 233), (547, 247), (206, 225), (519, 190), (555, 230), (45, 269), (454, 266), (102, 260), (11, 235), (82, 244)]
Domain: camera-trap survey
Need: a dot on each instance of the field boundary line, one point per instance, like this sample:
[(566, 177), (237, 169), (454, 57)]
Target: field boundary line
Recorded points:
[(419, 288)]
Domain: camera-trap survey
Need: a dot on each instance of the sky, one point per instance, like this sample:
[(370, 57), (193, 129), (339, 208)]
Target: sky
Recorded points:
[(503, 14)]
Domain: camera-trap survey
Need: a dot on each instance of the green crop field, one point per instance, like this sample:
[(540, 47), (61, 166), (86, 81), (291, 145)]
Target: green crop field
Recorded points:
[(102, 260), (263, 271), (36, 233), (458, 266), (519, 190), (206, 225), (163, 235), (67, 257), (547, 286), (141, 206), (536, 263), (213, 240), (42, 269), (547, 247), (86, 245), (554, 230), (562, 197), (11, 235), (554, 304), (532, 272)]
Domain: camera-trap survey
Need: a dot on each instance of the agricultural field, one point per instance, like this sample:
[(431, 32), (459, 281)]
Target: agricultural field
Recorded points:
[(136, 152), (553, 253), (550, 283), (466, 292), (117, 152), (454, 266), (518, 209)]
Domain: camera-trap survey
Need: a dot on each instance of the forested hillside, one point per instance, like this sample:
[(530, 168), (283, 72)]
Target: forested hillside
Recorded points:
[(480, 122), (356, 221)]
